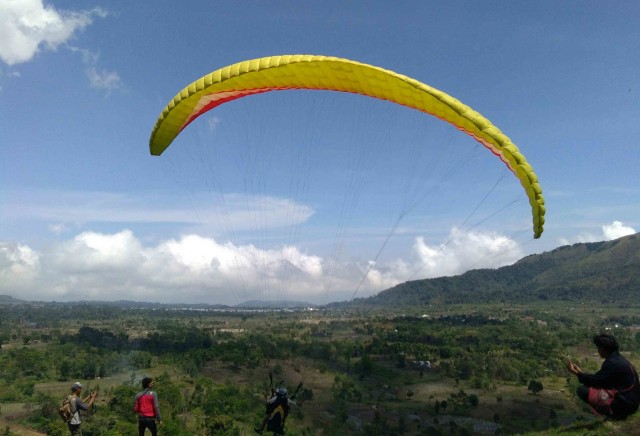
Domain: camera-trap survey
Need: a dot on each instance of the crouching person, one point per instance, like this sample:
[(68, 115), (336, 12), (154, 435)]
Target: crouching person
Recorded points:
[(613, 391)]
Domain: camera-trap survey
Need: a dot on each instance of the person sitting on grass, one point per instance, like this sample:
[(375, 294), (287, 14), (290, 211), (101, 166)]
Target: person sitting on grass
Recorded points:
[(613, 391)]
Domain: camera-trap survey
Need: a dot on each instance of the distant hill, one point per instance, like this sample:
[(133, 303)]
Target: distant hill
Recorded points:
[(122, 304), (126, 304), (8, 299), (607, 272)]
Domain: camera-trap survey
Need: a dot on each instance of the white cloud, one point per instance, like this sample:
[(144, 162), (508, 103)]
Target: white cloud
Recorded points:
[(27, 26), (108, 80), (616, 230), (189, 269), (19, 267), (466, 250), (58, 228), (103, 79), (463, 251), (95, 252), (611, 231), (223, 213), (193, 268)]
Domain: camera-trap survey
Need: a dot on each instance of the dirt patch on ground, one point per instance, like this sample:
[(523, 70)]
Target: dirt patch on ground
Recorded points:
[(12, 412)]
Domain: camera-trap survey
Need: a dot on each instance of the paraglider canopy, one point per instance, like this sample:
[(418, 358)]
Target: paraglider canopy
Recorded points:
[(275, 73)]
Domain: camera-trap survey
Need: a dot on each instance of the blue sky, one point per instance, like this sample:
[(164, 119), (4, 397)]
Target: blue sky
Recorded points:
[(312, 196)]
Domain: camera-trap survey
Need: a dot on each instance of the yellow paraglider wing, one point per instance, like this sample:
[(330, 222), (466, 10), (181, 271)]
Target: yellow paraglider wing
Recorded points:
[(335, 74)]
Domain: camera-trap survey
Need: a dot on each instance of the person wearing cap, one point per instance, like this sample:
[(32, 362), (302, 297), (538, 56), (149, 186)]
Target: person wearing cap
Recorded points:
[(147, 408), (78, 404), (614, 390)]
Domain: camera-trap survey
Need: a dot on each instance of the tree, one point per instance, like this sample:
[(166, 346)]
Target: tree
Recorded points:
[(89, 369), (535, 386), (473, 400), (64, 370), (364, 366), (401, 361), (140, 359)]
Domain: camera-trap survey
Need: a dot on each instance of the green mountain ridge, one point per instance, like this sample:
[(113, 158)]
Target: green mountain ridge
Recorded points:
[(604, 272)]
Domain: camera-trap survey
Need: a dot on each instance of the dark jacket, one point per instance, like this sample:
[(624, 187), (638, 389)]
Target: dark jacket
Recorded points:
[(616, 373)]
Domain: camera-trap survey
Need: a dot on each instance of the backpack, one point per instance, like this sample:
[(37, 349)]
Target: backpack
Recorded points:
[(65, 409), (277, 414)]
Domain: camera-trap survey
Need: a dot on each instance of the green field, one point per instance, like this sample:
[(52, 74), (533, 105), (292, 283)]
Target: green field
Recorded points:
[(360, 370)]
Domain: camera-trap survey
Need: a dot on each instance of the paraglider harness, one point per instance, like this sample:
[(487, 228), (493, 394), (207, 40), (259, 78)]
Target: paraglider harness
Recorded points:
[(277, 408), (278, 411)]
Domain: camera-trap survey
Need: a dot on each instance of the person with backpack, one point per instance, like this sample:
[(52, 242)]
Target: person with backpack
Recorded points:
[(77, 404), (147, 408), (277, 410), (613, 391)]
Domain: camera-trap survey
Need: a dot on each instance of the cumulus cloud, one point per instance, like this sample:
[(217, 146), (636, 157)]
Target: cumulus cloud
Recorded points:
[(19, 267), (193, 268), (467, 250), (611, 231), (28, 26), (189, 269), (463, 251), (616, 230)]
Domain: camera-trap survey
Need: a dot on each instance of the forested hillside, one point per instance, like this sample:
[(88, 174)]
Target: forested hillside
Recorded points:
[(607, 272)]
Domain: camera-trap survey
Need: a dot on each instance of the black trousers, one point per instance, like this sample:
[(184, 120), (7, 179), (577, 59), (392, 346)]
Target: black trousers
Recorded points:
[(583, 393), (147, 423)]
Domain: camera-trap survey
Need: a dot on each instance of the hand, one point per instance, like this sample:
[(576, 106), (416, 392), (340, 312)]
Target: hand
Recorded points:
[(573, 368), (94, 394)]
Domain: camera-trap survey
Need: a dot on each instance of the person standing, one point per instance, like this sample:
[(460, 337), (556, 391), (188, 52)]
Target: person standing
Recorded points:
[(147, 408), (277, 410), (77, 404), (614, 390)]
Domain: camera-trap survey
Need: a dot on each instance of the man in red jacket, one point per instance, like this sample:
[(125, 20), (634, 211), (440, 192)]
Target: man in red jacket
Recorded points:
[(147, 408)]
